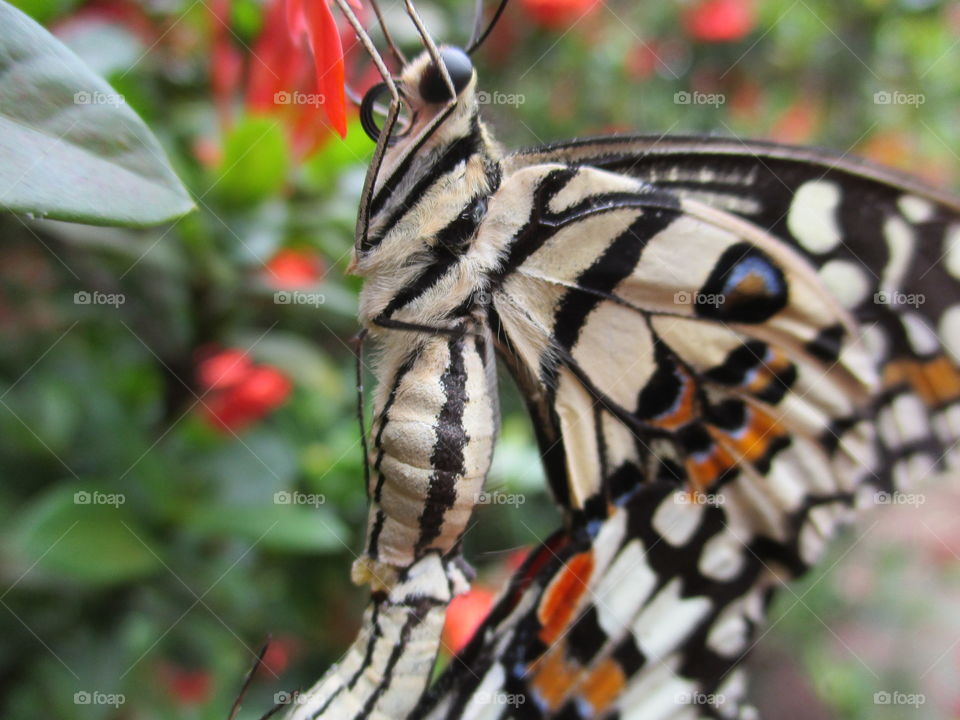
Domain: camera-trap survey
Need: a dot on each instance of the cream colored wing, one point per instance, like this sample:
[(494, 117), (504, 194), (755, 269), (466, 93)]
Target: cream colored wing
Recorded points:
[(667, 339), (702, 404)]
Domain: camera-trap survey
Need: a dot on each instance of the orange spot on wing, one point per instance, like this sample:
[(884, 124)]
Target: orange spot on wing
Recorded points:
[(943, 378), (562, 595), (603, 685), (753, 443), (683, 413), (704, 472), (553, 676), (936, 381)]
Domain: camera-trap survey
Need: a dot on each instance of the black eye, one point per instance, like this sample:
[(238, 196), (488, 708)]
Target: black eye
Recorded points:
[(432, 87)]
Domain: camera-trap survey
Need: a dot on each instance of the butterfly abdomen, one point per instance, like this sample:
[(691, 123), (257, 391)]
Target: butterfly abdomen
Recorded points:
[(433, 440), (389, 663)]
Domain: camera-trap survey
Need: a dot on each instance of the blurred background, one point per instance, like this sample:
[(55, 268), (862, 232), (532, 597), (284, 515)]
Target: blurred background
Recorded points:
[(181, 464)]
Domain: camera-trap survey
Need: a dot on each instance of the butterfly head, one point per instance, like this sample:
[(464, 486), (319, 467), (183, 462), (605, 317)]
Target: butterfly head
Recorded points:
[(432, 156), (428, 96)]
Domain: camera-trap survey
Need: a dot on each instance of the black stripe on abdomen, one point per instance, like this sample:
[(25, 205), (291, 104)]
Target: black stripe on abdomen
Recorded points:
[(448, 456)]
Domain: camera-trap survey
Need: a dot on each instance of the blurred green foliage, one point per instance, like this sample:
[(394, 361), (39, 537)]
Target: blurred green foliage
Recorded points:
[(165, 597)]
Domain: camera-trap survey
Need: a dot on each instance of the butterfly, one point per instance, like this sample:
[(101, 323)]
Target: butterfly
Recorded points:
[(717, 345)]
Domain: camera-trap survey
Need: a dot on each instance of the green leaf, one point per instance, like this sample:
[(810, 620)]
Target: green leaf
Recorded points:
[(254, 164), (85, 535), (70, 147), (278, 525), (44, 11)]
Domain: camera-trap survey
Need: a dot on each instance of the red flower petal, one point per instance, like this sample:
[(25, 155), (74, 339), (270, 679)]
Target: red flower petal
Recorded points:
[(720, 20), (292, 269), (251, 398), (296, 22), (464, 616), (317, 21), (278, 654), (223, 369), (264, 389), (187, 687), (277, 64), (556, 14)]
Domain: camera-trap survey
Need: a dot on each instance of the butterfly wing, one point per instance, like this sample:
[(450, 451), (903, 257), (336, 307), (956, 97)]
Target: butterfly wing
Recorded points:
[(887, 246), (703, 390), (613, 623), (666, 339)]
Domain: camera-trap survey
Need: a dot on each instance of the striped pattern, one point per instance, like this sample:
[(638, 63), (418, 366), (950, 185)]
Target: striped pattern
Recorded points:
[(391, 660), (680, 535), (433, 439), (435, 411), (722, 362)]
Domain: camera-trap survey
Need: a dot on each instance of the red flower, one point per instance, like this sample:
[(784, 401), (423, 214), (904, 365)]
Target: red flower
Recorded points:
[(281, 82), (222, 369), (295, 69), (237, 392), (556, 14), (293, 269), (277, 657), (720, 20), (464, 616), (315, 20), (187, 687)]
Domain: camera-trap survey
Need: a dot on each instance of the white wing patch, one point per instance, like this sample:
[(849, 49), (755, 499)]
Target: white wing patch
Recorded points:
[(812, 219)]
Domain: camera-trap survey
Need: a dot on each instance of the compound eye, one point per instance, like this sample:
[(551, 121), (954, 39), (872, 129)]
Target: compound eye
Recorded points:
[(432, 87)]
